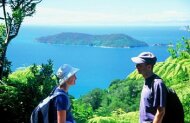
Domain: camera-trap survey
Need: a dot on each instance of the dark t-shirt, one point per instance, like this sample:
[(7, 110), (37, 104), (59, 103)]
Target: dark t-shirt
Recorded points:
[(150, 100), (62, 102)]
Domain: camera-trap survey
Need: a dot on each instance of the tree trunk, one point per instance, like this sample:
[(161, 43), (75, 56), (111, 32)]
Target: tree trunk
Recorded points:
[(13, 23), (2, 61)]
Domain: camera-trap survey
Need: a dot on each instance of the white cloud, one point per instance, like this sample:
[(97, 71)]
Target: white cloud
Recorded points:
[(52, 16)]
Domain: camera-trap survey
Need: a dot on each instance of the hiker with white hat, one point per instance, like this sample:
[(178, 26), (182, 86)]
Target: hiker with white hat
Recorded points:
[(62, 108), (153, 95)]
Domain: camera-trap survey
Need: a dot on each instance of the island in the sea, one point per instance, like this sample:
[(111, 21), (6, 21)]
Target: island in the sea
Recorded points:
[(106, 40)]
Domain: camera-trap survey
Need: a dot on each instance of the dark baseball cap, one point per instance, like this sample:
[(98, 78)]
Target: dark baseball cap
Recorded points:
[(145, 57)]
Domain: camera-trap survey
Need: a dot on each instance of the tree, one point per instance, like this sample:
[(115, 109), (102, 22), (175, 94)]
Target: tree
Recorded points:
[(23, 90), (14, 12), (182, 48), (94, 98)]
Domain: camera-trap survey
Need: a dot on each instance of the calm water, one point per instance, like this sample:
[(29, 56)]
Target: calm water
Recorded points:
[(98, 66)]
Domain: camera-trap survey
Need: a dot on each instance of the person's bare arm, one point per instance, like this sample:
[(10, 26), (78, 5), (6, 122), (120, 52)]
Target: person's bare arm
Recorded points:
[(159, 115), (61, 116)]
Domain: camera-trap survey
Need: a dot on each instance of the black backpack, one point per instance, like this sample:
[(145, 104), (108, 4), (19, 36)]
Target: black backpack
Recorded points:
[(174, 112), (41, 114)]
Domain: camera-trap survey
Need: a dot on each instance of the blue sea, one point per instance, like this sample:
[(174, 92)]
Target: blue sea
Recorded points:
[(98, 66)]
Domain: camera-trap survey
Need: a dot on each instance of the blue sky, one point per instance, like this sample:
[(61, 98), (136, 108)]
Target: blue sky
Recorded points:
[(111, 13)]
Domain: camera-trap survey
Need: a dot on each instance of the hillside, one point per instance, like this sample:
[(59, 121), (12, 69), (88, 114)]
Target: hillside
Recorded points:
[(111, 40), (123, 95), (170, 70), (119, 103)]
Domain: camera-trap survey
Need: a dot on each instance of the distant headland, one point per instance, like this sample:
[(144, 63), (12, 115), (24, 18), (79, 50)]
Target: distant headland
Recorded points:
[(106, 40)]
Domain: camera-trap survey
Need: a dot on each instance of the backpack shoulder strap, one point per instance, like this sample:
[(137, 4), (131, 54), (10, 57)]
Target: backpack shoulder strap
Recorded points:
[(52, 92), (57, 94), (61, 93), (152, 84)]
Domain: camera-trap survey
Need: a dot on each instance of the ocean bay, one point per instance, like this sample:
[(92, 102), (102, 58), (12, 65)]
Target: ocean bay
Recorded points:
[(98, 66)]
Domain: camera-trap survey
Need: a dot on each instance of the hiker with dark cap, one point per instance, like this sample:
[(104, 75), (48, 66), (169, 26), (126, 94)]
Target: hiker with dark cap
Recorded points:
[(153, 95), (62, 107)]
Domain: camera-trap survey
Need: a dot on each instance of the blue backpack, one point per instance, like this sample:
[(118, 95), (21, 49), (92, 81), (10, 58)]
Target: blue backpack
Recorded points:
[(41, 114)]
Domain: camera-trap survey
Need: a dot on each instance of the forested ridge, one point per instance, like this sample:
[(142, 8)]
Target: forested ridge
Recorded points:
[(25, 88), (106, 40), (120, 102)]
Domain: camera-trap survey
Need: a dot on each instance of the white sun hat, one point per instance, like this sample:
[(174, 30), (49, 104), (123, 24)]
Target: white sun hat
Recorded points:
[(65, 72)]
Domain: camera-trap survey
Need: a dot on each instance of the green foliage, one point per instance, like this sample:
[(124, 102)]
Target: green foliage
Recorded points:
[(181, 50), (123, 96), (10, 104), (6, 68), (112, 40), (115, 97), (94, 98), (176, 74), (84, 107), (123, 117), (14, 12), (7, 64), (172, 70), (102, 120), (172, 52), (186, 104), (103, 110), (23, 90), (187, 45), (82, 111), (27, 7), (2, 35), (18, 15), (117, 116)]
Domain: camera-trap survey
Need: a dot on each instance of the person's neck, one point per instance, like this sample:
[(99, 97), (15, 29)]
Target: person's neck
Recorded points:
[(65, 88), (148, 74)]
